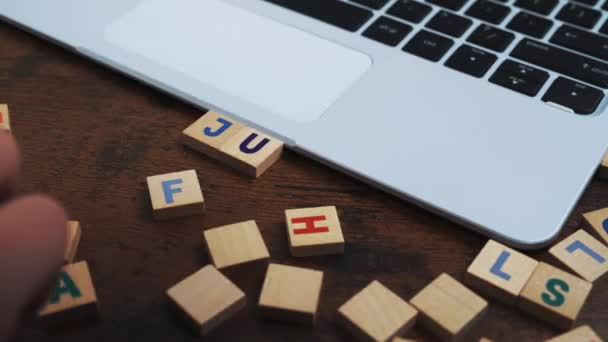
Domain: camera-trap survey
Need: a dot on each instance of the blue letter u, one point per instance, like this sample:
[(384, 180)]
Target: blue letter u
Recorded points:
[(244, 145)]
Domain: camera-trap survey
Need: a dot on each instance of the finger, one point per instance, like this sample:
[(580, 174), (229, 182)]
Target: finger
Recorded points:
[(32, 244), (9, 164)]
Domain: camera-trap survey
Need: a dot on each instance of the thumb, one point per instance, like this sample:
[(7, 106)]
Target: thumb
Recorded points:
[(32, 244)]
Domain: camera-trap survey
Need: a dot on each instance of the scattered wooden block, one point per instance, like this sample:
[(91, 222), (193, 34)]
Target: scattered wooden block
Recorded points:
[(5, 118), (236, 244), (291, 293), (500, 272), (376, 314), (207, 298), (314, 231), (232, 143), (73, 296), (73, 234), (399, 339), (583, 254), (448, 309), (176, 194), (598, 222), (581, 334), (485, 339), (554, 296), (252, 152)]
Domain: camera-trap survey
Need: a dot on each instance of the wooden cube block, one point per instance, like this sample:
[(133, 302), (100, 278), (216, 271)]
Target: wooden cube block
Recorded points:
[(5, 118), (207, 298), (583, 254), (73, 234), (598, 222), (291, 293), (235, 245), (176, 194), (314, 231), (554, 296), (252, 152), (581, 334), (376, 314), (232, 143), (73, 296), (448, 309), (500, 272)]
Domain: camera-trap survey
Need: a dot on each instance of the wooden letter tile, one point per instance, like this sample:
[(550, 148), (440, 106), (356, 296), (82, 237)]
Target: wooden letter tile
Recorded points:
[(598, 222), (448, 309), (583, 254), (5, 118), (72, 240), (176, 194), (376, 314), (207, 298), (209, 133), (253, 152), (73, 296), (291, 293), (314, 231), (500, 272), (581, 334), (554, 296), (235, 245)]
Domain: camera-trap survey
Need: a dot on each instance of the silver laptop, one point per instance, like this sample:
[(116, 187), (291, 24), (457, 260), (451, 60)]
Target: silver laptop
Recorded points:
[(491, 113)]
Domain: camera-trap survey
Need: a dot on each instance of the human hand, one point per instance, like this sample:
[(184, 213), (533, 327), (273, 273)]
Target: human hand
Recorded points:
[(32, 241)]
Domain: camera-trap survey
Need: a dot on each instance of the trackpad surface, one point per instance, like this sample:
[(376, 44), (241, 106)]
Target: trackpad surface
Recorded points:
[(279, 68)]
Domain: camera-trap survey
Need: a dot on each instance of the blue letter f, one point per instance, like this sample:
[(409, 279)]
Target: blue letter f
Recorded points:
[(168, 191)]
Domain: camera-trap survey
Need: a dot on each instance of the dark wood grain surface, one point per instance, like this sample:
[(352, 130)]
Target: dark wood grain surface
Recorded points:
[(90, 137)]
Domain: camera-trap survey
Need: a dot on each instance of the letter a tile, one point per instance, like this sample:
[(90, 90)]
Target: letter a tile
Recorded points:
[(500, 272), (314, 231), (176, 194), (554, 296), (583, 254)]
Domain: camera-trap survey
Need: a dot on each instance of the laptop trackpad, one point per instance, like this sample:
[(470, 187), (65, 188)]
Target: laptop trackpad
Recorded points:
[(277, 67)]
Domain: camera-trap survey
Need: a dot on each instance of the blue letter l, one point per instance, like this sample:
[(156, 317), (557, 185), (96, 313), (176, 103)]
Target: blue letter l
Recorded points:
[(497, 267), (579, 245)]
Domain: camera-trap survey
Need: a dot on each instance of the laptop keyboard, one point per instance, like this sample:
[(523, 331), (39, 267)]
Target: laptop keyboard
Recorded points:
[(523, 38)]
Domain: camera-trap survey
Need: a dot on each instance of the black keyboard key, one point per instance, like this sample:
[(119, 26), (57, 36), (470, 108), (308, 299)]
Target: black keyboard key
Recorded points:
[(409, 10), (488, 11), (333, 12), (562, 61), (587, 2), (387, 31), (605, 7), (428, 45), (471, 61), (543, 7), (579, 15), (454, 5), (530, 24), (519, 77), (582, 41), (581, 98), (449, 23), (375, 4), (491, 38)]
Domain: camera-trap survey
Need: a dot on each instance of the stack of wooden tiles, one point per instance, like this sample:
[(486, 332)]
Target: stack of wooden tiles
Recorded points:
[(232, 143)]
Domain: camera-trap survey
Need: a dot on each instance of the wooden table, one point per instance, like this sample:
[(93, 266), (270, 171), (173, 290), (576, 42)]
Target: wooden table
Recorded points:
[(90, 137)]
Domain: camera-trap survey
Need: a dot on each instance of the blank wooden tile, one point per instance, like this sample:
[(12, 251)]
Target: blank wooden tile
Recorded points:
[(447, 308), (176, 194), (598, 222), (252, 152), (581, 334), (291, 293), (209, 133), (554, 296), (73, 234), (5, 118), (399, 339), (485, 339), (314, 231), (583, 254), (235, 245), (73, 296), (207, 298), (376, 314), (500, 272)]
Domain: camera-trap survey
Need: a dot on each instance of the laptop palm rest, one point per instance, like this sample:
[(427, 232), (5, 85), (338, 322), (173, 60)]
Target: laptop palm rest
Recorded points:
[(281, 69)]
